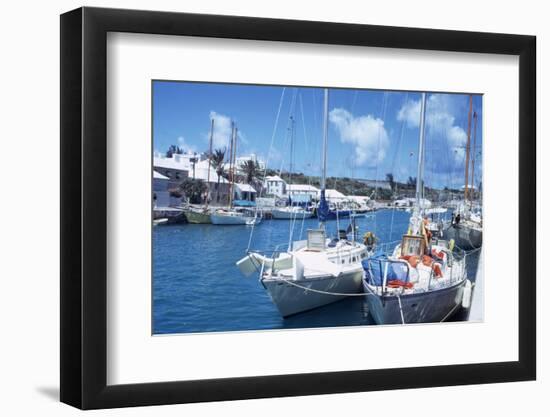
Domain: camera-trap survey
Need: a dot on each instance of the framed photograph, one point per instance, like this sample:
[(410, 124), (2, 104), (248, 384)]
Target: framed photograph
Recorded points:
[(258, 208)]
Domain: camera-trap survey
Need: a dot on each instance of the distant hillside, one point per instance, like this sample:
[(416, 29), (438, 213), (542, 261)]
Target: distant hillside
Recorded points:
[(363, 187)]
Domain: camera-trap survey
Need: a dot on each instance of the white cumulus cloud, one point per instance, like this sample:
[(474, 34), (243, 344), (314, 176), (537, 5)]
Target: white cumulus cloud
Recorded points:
[(186, 146), (222, 130), (440, 121), (366, 133)]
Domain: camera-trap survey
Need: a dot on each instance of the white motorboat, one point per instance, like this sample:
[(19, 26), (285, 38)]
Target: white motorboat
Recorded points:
[(158, 222)]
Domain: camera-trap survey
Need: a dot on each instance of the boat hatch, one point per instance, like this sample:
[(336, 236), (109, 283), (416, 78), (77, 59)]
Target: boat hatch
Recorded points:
[(413, 245), (316, 240)]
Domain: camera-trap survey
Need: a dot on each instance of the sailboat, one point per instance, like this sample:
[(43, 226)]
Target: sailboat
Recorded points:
[(313, 272), (423, 279), (467, 226), (201, 215), (234, 216)]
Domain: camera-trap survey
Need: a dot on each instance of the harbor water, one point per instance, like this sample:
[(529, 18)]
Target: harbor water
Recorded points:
[(198, 288)]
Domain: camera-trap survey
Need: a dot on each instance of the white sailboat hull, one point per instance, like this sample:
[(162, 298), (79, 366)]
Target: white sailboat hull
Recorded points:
[(465, 237), (221, 219), (424, 307), (292, 299)]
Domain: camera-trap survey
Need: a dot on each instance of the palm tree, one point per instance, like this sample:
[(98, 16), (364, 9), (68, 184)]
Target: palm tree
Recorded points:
[(218, 161), (251, 170), (194, 189), (391, 181)]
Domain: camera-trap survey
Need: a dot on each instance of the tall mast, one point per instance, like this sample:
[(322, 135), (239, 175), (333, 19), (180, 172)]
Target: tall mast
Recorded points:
[(474, 152), (230, 165), (467, 161), (235, 154), (420, 167), (291, 150), (233, 165), (322, 208), (325, 141), (209, 160)]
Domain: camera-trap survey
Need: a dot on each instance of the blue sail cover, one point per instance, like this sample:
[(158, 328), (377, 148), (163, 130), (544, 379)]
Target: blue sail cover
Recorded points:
[(323, 209), (375, 267)]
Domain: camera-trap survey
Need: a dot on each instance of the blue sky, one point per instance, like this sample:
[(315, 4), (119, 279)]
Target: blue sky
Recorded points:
[(371, 132)]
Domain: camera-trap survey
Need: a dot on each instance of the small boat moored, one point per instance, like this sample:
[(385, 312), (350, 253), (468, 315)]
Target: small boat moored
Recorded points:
[(286, 213), (197, 215), (236, 216)]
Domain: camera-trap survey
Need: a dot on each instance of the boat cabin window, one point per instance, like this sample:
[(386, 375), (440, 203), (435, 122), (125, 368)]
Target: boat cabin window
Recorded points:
[(413, 245)]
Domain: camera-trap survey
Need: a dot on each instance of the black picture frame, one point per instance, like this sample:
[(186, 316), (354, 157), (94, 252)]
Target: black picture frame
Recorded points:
[(84, 207)]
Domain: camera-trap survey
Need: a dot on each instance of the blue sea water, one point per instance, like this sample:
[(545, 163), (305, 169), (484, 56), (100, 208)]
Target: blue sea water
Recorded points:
[(198, 288)]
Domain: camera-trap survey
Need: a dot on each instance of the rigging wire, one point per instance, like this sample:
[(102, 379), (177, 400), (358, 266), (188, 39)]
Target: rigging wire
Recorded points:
[(290, 112), (383, 115), (267, 160), (306, 148), (398, 148)]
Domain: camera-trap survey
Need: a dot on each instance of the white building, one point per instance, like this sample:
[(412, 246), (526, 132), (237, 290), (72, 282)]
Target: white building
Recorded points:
[(240, 160), (409, 202), (161, 195), (303, 190), (181, 166), (362, 201), (244, 192), (275, 185), (334, 196)]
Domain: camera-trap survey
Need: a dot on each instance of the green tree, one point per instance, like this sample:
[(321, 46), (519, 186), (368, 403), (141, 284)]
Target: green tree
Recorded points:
[(193, 189), (251, 171), (173, 150), (390, 179)]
